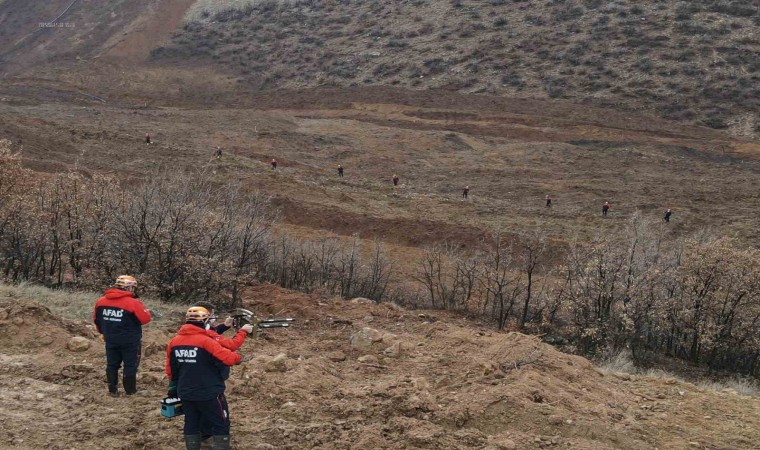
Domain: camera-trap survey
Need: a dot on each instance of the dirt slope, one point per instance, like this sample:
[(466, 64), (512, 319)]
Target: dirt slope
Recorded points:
[(692, 61), (510, 152), (39, 32), (451, 386)]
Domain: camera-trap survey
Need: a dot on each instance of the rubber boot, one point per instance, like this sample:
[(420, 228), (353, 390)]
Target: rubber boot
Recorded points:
[(130, 384), (220, 442), (206, 442), (193, 441), (113, 383)]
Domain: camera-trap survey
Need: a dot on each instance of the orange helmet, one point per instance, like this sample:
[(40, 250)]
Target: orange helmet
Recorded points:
[(125, 281), (197, 314)]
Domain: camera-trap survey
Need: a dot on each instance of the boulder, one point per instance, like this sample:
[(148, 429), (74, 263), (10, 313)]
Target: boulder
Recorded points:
[(277, 364), (364, 338), (78, 344), (368, 359), (336, 356), (395, 350)]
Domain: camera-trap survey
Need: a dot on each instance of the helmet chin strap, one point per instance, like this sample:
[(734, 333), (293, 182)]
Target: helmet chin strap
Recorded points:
[(208, 322)]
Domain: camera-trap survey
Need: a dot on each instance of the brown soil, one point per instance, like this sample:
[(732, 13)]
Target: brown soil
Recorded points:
[(455, 385)]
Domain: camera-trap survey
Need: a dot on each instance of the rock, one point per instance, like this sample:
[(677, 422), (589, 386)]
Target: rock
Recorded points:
[(362, 301), (488, 367), (555, 420), (501, 443), (389, 338), (394, 350), (3, 314), (45, 340), (78, 344), (368, 359), (421, 384), (18, 321), (364, 338), (277, 364), (623, 376), (369, 319), (336, 356)]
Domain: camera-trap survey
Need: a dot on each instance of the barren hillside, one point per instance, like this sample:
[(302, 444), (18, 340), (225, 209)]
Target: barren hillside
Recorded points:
[(414, 380), (694, 62)]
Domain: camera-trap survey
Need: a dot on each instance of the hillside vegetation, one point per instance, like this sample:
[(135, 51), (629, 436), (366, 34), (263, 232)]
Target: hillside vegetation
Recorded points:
[(693, 61)]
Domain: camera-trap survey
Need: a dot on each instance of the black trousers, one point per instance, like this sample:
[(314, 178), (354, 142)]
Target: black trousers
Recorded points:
[(213, 416), (128, 354)]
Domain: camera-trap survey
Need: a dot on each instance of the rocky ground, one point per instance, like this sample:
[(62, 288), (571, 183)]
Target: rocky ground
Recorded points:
[(354, 374)]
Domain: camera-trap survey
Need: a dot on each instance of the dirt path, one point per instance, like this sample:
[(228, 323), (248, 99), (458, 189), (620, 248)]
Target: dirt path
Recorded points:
[(428, 380)]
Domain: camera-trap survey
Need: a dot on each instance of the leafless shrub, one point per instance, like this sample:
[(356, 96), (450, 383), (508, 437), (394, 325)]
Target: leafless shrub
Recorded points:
[(182, 235)]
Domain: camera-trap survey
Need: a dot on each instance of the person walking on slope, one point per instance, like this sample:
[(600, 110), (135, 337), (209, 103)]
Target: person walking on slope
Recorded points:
[(218, 152), (148, 139), (548, 201), (340, 170), (119, 317), (605, 208), (395, 180), (465, 192), (668, 213), (274, 164), (198, 366)]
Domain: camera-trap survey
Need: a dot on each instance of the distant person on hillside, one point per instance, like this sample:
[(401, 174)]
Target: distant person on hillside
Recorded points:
[(548, 201), (148, 139), (465, 192), (605, 208), (274, 164), (395, 180), (119, 317), (218, 152), (668, 213), (340, 171)]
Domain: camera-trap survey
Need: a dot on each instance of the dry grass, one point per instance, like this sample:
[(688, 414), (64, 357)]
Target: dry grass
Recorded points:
[(622, 362), (74, 305), (204, 9)]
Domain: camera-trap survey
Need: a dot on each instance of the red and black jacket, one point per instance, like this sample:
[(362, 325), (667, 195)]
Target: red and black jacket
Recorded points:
[(230, 344), (119, 316), (198, 364)]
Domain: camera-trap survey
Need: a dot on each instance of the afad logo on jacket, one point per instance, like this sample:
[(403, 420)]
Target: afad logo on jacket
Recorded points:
[(183, 354), (113, 315)]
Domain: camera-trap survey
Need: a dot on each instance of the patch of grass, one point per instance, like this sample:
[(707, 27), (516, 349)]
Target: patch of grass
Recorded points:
[(622, 362), (73, 305)]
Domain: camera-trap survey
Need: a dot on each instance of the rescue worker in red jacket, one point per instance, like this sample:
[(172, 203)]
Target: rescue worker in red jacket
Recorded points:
[(119, 317), (198, 366), (216, 331)]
